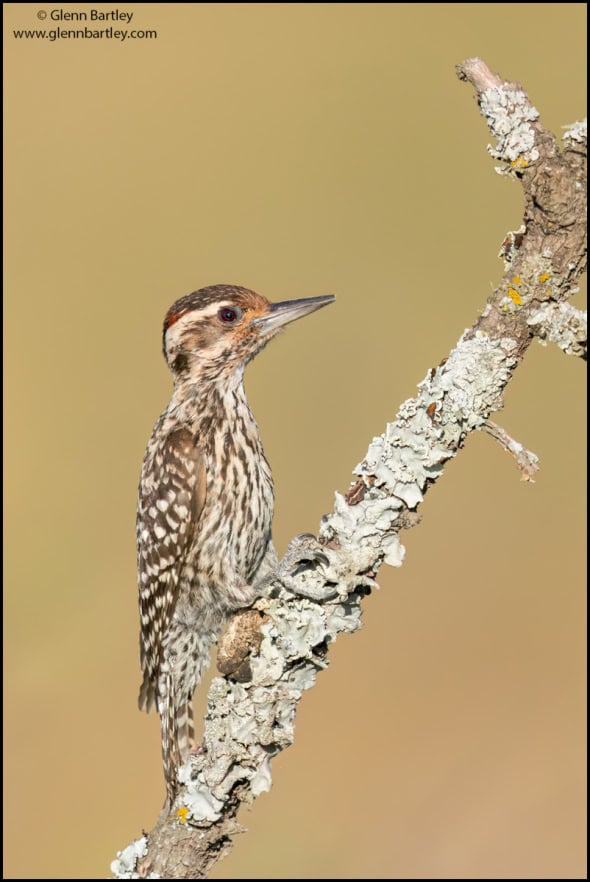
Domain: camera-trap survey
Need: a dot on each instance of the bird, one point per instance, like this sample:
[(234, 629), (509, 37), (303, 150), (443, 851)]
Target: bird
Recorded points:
[(205, 501)]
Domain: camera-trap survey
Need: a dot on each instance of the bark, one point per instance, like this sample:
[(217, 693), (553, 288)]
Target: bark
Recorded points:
[(274, 652)]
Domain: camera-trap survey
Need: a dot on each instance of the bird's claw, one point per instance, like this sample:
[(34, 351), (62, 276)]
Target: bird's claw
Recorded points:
[(305, 549), (297, 569)]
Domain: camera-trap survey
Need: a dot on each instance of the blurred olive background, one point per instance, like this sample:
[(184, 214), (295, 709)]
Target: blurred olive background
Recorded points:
[(299, 150)]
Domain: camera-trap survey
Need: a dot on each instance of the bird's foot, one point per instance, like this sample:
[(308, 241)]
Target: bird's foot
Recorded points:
[(298, 569)]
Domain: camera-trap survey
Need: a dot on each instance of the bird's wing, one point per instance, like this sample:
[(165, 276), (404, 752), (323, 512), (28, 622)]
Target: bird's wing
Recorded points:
[(171, 499)]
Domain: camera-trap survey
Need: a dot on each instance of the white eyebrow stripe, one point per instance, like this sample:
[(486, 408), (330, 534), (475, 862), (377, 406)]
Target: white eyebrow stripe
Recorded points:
[(194, 315)]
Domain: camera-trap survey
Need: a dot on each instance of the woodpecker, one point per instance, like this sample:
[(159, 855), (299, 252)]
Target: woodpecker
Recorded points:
[(206, 499)]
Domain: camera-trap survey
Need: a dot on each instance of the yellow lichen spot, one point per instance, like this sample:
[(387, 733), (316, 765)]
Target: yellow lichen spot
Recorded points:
[(516, 280), (514, 296), (182, 814), (544, 277), (519, 162)]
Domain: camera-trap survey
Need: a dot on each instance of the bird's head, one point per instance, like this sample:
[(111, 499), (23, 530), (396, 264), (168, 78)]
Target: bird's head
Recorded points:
[(214, 332)]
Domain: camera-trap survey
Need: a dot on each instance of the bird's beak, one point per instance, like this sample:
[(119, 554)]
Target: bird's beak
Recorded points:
[(286, 311)]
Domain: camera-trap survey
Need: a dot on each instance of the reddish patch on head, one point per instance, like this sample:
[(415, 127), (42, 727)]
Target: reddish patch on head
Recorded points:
[(172, 318)]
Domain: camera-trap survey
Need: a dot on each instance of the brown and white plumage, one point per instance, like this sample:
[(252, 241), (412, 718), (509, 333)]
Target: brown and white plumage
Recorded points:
[(205, 499), (173, 491)]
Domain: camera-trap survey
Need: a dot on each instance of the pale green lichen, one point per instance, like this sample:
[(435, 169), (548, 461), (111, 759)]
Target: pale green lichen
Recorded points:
[(576, 132), (563, 325), (509, 115), (197, 798), (125, 864), (262, 780)]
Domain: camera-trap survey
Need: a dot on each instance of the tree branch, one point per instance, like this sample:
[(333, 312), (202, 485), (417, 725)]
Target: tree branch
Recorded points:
[(280, 645)]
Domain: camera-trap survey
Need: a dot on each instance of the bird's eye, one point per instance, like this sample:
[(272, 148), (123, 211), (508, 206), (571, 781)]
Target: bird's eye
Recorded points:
[(229, 315)]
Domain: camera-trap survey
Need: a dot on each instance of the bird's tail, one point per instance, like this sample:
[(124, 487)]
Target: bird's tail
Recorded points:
[(177, 732), (173, 696), (168, 732), (184, 730)]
